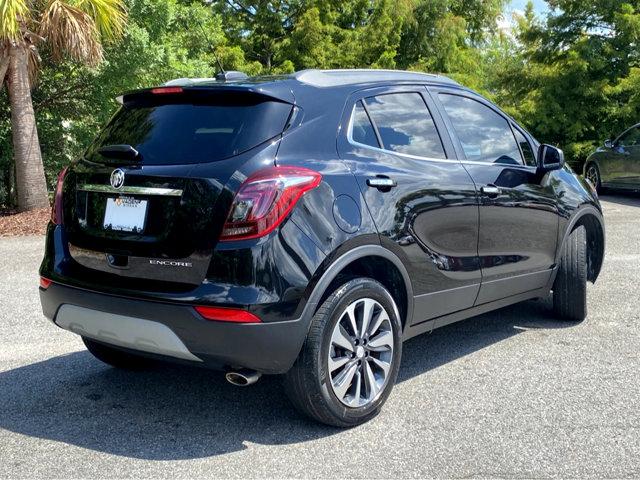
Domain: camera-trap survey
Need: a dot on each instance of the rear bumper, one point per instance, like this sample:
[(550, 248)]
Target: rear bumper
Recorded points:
[(176, 332)]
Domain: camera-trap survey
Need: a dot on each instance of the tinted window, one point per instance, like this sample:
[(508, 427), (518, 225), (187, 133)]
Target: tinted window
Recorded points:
[(175, 133), (361, 129), (405, 124), (630, 139), (485, 136), (525, 147)]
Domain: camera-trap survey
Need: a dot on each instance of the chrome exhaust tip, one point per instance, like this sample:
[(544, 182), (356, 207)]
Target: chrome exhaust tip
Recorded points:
[(243, 378)]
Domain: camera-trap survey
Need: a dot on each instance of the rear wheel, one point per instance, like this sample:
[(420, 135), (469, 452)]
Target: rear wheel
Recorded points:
[(593, 175), (116, 358), (349, 362), (570, 286)]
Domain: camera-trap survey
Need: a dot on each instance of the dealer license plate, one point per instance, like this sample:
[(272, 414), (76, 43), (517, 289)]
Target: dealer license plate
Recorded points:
[(126, 214)]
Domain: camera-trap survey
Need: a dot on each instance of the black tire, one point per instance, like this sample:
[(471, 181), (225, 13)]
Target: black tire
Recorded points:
[(592, 173), (308, 383), (570, 286), (116, 358)]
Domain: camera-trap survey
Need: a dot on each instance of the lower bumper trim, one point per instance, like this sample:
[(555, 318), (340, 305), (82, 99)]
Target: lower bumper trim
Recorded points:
[(123, 331)]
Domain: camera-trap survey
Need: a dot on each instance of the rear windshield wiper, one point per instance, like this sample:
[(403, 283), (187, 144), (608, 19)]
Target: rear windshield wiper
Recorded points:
[(120, 152)]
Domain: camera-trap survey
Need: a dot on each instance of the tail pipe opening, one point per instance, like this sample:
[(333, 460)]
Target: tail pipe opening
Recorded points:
[(243, 378)]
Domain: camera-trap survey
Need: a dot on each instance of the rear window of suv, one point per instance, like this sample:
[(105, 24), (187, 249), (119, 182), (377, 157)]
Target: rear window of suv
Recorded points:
[(182, 129)]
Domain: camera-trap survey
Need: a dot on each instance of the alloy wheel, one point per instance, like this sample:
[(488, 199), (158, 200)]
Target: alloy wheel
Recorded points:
[(593, 176), (361, 353)]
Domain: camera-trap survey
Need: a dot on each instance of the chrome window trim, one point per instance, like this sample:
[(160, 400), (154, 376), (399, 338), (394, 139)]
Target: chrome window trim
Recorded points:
[(352, 142), (428, 159), (167, 192)]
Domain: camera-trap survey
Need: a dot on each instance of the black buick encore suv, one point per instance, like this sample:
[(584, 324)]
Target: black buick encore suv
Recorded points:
[(307, 225)]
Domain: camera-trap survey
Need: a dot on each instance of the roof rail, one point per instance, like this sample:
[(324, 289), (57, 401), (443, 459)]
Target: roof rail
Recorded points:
[(229, 76), (331, 78), (184, 81)]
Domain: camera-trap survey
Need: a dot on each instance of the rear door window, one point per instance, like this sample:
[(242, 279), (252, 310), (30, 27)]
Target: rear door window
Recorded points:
[(180, 130), (484, 134), (405, 124)]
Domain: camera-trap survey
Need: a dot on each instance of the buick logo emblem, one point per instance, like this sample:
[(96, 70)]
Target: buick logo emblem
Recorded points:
[(117, 178)]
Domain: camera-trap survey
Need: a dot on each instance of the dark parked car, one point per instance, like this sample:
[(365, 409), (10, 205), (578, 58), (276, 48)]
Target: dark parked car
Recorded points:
[(617, 163), (307, 225)]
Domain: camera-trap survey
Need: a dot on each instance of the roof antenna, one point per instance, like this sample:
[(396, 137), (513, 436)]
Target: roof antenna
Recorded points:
[(213, 50), (219, 63), (223, 75)]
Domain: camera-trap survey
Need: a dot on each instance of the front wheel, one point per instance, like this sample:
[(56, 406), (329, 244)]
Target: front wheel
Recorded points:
[(570, 286), (349, 362)]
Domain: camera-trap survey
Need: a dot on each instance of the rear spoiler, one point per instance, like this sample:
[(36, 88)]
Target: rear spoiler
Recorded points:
[(210, 89)]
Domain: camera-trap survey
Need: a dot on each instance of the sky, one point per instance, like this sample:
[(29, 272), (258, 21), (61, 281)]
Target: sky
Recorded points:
[(518, 6), (540, 6)]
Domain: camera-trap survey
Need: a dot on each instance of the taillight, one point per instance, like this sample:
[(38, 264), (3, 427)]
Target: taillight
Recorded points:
[(265, 199), (56, 210), (225, 314), (44, 283)]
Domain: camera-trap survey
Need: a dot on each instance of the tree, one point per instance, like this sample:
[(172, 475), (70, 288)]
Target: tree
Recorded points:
[(346, 34), (162, 40), (165, 39), (574, 78), (67, 29), (268, 23)]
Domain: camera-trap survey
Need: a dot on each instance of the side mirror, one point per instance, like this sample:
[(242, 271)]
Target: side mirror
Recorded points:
[(608, 144), (550, 158)]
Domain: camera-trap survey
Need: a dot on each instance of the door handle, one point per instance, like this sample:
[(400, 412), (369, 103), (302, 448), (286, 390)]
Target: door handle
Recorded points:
[(490, 191), (382, 183)]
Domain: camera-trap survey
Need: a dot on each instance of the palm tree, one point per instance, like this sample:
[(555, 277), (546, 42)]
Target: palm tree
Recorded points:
[(73, 29)]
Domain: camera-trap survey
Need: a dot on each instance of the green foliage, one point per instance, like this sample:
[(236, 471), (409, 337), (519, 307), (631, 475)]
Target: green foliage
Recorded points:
[(164, 39), (445, 34), (574, 81), (10, 13), (109, 16), (572, 78)]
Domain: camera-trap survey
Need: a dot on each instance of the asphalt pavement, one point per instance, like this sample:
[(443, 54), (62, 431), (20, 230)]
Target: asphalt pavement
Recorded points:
[(512, 393)]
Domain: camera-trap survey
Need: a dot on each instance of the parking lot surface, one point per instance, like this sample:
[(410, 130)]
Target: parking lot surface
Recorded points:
[(512, 393)]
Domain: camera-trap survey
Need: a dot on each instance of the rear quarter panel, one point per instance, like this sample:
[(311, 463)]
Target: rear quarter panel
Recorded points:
[(333, 216)]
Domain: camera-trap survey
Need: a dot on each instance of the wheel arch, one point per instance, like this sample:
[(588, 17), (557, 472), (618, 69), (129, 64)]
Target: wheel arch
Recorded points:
[(373, 261), (590, 160), (591, 219)]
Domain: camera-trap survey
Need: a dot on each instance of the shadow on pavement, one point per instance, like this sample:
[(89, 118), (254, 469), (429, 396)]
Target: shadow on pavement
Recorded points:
[(173, 413)]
